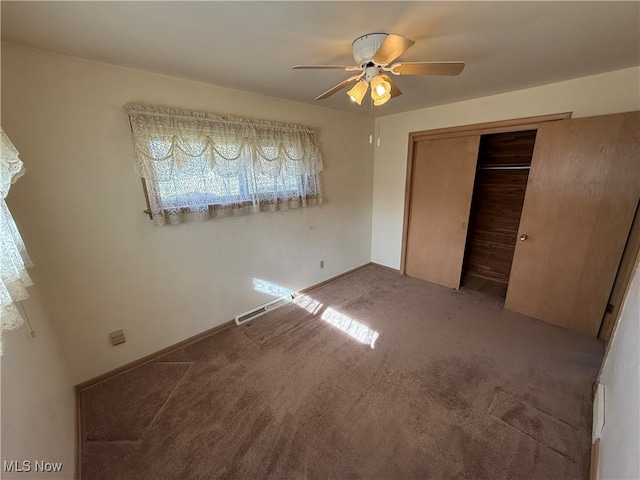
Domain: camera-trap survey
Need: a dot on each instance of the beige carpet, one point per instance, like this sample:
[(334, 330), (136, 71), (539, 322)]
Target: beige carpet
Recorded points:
[(453, 388)]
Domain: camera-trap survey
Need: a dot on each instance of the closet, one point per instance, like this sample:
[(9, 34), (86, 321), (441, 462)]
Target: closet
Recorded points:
[(580, 197), (504, 160)]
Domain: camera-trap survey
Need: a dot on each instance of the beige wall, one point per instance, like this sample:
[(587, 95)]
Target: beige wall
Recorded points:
[(596, 95), (38, 414), (620, 440), (100, 263)]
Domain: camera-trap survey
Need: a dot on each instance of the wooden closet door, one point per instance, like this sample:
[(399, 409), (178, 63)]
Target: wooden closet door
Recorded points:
[(581, 197), (441, 190)]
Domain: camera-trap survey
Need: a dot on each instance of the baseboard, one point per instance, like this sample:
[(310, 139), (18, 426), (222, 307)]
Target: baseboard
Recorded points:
[(595, 450), (123, 369), (330, 280), (151, 357), (394, 270), (78, 464)]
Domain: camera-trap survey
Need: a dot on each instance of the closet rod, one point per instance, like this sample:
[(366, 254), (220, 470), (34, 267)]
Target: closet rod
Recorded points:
[(496, 167)]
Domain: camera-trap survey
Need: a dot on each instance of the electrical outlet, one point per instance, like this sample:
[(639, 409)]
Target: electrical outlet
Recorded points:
[(321, 263), (117, 337)]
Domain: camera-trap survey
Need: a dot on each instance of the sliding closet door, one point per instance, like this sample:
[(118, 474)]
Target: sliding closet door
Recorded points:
[(582, 193), (441, 190)]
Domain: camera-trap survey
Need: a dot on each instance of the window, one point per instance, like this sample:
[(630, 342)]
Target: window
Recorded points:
[(198, 166), (14, 259)]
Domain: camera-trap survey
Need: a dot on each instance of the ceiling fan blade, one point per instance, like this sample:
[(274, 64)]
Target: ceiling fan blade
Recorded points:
[(347, 68), (392, 47), (339, 87), (427, 68), (395, 91)]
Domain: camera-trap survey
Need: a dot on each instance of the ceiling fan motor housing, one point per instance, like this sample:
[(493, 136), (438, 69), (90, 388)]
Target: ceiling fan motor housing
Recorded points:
[(371, 72), (366, 46)]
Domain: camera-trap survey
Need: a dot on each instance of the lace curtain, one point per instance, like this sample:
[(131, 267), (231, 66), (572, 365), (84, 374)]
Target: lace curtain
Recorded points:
[(14, 259), (199, 166)]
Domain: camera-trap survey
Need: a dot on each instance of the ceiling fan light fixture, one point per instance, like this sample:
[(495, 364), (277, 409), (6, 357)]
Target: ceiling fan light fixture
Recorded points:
[(382, 100), (357, 93), (380, 89), (374, 54)]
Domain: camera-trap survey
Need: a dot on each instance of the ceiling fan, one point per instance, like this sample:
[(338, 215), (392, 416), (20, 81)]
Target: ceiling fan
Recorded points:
[(373, 54)]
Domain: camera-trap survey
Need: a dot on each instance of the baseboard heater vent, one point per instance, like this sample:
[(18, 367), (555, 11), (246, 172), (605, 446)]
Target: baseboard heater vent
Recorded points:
[(598, 413), (261, 310)]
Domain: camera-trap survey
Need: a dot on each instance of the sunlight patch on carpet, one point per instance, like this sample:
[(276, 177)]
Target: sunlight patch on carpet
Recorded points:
[(348, 325), (351, 327), (310, 304)]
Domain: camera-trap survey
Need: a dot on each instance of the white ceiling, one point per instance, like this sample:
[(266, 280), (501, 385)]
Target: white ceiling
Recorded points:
[(251, 46)]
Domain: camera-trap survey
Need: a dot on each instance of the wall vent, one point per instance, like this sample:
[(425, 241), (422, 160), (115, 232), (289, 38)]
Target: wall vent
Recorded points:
[(261, 310), (598, 413), (117, 337)]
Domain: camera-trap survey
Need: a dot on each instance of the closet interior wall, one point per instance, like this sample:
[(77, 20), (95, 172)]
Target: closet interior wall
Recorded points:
[(504, 160)]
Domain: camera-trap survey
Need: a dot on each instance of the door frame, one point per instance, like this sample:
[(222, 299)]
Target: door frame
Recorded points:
[(628, 263), (501, 126)]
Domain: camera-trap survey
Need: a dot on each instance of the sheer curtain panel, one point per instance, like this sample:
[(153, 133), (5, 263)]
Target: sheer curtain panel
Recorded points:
[(14, 259), (199, 166)]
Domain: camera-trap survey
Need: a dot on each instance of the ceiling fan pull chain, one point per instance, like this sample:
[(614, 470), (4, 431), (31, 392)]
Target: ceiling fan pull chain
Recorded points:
[(371, 130)]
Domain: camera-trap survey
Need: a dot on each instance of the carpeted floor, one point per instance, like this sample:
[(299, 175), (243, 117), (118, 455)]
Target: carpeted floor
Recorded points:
[(374, 376)]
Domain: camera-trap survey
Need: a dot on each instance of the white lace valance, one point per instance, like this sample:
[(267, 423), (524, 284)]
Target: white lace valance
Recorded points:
[(198, 165), (12, 167), (14, 259)]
